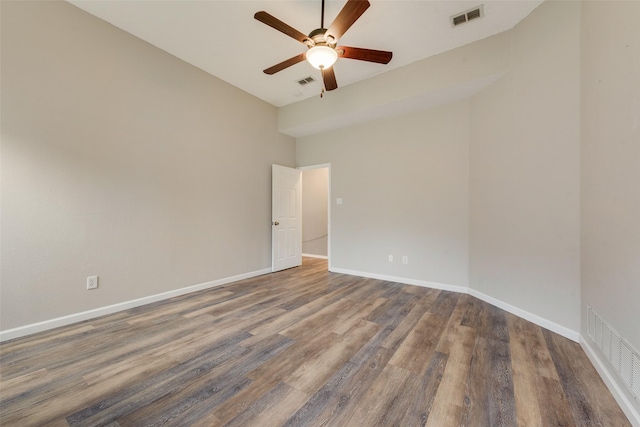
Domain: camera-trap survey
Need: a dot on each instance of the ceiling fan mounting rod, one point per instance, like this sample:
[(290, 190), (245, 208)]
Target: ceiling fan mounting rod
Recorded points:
[(322, 16)]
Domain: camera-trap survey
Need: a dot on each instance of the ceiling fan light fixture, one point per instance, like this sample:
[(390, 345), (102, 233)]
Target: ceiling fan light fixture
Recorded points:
[(322, 52), (322, 57)]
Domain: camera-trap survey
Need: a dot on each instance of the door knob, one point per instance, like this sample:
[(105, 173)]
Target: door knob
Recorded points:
[(275, 223)]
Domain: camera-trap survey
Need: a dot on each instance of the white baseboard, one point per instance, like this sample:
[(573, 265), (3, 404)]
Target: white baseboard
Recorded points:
[(533, 318), (406, 281), (540, 321), (22, 331), (625, 404), (316, 256), (610, 380)]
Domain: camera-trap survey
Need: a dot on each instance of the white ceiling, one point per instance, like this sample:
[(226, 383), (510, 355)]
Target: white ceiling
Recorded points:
[(222, 38)]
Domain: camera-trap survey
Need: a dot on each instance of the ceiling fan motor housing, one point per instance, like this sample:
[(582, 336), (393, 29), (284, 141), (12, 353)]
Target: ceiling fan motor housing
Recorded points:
[(319, 39)]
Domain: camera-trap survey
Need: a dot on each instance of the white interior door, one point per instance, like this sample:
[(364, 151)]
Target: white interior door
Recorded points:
[(286, 222)]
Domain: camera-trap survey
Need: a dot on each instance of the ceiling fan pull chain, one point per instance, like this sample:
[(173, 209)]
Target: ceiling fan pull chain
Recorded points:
[(322, 93)]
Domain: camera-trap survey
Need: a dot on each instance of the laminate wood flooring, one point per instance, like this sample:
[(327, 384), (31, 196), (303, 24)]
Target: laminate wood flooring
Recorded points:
[(304, 347)]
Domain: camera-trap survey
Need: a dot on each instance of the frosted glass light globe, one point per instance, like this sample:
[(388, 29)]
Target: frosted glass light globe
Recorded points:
[(322, 57)]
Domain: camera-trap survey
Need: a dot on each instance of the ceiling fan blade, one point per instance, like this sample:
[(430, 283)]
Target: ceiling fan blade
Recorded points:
[(347, 16), (370, 55), (274, 22), (285, 64), (329, 78)]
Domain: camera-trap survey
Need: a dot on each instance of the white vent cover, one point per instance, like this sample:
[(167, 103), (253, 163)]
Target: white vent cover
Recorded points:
[(606, 340), (635, 379), (466, 16), (616, 343), (625, 364), (622, 356)]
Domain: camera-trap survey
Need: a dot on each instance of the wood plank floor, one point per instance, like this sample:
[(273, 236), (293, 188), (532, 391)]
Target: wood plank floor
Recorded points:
[(304, 347)]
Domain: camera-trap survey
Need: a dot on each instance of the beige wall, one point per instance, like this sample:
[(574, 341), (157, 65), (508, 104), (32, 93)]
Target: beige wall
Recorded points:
[(611, 168), (315, 215), (404, 185), (121, 161), (525, 171)]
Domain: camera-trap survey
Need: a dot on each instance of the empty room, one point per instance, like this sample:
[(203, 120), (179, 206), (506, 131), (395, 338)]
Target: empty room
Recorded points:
[(319, 213)]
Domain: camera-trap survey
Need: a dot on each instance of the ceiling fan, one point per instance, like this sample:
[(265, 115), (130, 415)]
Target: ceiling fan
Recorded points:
[(323, 51)]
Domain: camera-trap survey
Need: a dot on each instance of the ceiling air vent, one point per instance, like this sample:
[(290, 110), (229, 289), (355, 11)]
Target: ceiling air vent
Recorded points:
[(469, 15), (306, 81)]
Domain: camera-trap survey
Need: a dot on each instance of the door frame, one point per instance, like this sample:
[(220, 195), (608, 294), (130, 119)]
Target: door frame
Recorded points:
[(329, 219)]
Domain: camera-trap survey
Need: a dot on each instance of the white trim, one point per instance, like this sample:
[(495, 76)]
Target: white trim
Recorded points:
[(533, 318), (22, 331), (423, 283), (319, 166), (610, 380), (315, 256)]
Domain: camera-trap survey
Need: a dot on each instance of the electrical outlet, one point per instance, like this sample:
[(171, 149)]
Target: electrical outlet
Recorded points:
[(390, 258), (92, 282), (405, 259)]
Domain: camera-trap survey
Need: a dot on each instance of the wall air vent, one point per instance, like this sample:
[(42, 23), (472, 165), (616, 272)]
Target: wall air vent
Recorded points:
[(623, 357), (635, 379), (306, 81), (469, 15)]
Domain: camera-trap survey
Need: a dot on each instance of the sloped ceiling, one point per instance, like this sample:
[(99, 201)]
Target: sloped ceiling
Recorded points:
[(223, 39)]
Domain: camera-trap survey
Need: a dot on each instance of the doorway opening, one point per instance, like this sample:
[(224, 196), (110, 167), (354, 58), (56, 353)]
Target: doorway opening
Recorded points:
[(316, 211)]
